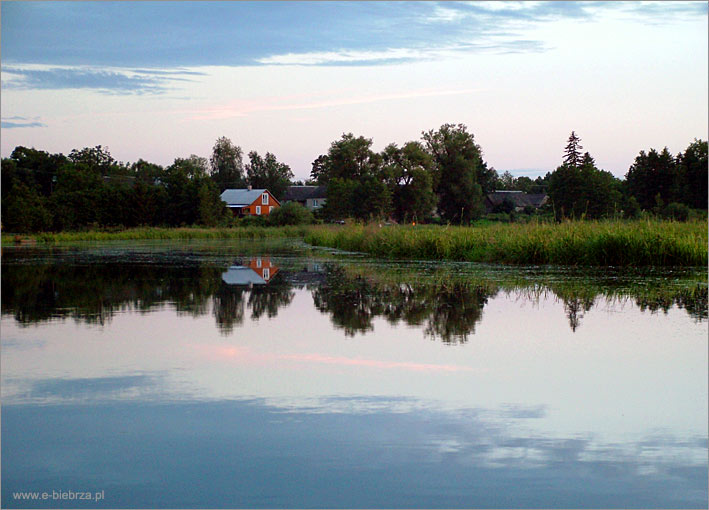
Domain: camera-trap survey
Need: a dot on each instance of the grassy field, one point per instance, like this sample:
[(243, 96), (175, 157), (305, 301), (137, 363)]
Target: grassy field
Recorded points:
[(582, 243)]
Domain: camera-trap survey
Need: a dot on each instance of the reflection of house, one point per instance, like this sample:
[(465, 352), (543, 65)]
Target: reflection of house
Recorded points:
[(518, 199), (311, 197), (258, 271), (250, 202)]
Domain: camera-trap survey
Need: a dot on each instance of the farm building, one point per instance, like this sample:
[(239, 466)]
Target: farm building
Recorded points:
[(517, 199), (250, 202), (311, 197)]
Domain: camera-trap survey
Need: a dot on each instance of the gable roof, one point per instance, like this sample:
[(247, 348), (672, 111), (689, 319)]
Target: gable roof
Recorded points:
[(241, 197), (299, 193), (518, 198), (240, 275)]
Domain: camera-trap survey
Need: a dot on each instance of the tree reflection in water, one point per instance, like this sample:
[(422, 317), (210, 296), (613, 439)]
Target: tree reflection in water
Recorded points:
[(445, 307), (267, 291), (447, 310)]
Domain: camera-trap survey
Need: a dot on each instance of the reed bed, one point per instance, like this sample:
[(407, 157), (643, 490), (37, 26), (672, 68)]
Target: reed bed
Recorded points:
[(149, 233), (579, 243)]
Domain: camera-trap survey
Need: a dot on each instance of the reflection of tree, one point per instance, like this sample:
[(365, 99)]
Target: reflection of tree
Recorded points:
[(37, 287), (93, 292), (457, 308), (575, 308), (693, 300), (269, 298), (351, 302), (229, 307), (230, 302), (448, 311)]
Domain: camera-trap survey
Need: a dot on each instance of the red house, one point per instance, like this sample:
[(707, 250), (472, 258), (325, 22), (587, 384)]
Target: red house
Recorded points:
[(250, 202)]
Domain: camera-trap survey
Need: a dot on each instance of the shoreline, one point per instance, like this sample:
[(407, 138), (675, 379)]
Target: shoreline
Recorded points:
[(572, 243)]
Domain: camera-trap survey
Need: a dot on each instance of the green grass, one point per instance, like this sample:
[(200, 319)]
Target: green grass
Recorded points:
[(163, 233), (582, 243)]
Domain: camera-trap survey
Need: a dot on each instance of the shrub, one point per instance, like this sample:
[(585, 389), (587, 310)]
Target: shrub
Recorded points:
[(675, 211), (291, 213), (253, 221)]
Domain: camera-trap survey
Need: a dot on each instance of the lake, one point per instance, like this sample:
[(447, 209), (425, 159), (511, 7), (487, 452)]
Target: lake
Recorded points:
[(269, 374)]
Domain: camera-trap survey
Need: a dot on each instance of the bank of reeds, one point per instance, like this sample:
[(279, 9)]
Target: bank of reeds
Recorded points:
[(149, 233), (581, 243)]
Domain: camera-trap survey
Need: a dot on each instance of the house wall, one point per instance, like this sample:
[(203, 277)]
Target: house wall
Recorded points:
[(265, 208), (263, 267), (315, 203)]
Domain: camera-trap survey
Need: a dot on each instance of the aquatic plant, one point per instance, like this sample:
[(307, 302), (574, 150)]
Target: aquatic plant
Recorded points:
[(584, 243)]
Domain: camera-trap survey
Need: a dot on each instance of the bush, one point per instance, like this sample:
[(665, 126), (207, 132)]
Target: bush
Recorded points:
[(291, 213), (675, 211), (253, 221)]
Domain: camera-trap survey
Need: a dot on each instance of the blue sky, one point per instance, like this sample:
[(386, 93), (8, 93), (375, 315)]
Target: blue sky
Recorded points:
[(161, 80)]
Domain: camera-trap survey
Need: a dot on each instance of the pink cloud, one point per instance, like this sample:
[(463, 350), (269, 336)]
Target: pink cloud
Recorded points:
[(248, 356), (242, 108)]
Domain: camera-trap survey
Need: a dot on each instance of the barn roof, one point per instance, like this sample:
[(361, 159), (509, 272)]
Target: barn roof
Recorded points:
[(299, 193), (242, 275), (518, 198), (241, 197)]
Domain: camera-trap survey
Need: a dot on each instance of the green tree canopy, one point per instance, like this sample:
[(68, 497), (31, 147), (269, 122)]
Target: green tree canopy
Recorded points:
[(583, 191), (692, 175), (651, 174), (227, 168), (349, 157), (268, 173), (409, 173), (458, 164), (572, 151)]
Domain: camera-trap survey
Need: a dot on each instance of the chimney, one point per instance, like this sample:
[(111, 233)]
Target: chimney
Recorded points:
[(249, 187)]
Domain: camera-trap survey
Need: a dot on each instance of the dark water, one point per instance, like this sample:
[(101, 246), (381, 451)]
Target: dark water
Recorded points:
[(269, 375)]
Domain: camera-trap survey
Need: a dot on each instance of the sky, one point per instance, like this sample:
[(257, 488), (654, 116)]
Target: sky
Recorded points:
[(162, 80)]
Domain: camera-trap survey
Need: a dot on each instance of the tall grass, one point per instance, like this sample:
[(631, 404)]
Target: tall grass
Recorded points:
[(169, 233), (583, 243)]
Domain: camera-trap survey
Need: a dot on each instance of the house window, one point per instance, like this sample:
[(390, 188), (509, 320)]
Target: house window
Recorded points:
[(258, 262), (315, 203), (264, 199), (258, 209), (266, 273)]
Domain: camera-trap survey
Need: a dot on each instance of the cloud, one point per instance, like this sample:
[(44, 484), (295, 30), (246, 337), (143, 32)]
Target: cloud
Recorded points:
[(107, 81), (55, 78), (91, 387), (402, 55), (156, 35), (7, 124), (243, 108)]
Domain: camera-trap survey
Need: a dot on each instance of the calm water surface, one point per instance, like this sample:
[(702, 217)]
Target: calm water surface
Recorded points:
[(270, 375)]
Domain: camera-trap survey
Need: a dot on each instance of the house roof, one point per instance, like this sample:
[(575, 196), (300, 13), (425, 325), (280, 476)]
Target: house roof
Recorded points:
[(241, 197), (298, 193), (518, 198), (241, 275)]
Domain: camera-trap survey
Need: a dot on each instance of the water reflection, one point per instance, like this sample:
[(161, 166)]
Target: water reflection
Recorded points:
[(248, 454), (256, 285), (570, 391), (447, 310), (446, 307)]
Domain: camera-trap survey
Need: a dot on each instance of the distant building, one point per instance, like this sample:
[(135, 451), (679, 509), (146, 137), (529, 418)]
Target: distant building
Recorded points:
[(250, 202), (310, 197), (519, 199)]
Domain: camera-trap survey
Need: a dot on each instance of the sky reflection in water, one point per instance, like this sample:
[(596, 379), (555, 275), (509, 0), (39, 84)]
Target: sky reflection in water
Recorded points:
[(169, 383)]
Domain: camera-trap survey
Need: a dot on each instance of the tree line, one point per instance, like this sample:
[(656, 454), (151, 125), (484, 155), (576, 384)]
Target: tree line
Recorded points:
[(443, 175), (445, 172), (89, 188)]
